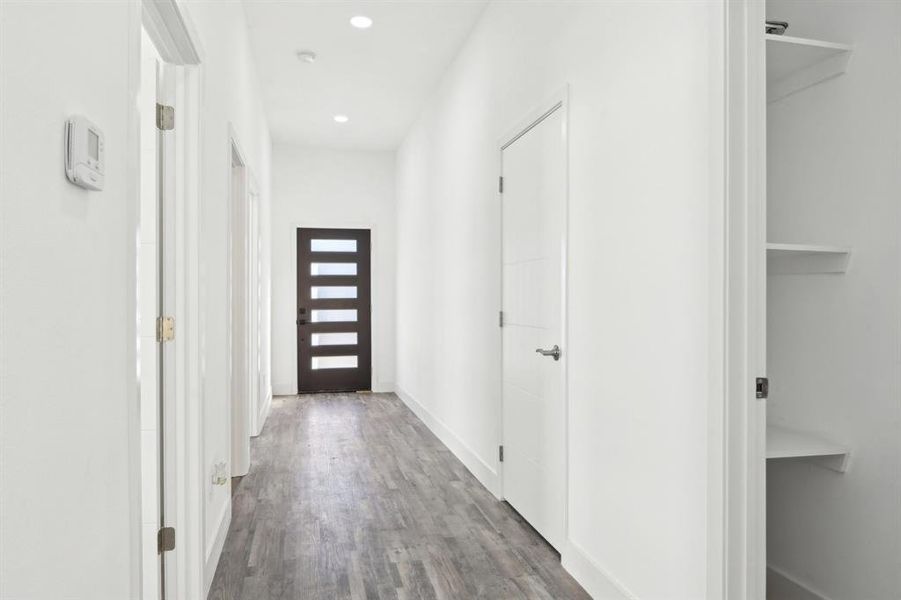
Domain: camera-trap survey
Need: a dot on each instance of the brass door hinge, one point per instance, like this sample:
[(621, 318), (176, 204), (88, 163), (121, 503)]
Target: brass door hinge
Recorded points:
[(165, 539), (165, 329)]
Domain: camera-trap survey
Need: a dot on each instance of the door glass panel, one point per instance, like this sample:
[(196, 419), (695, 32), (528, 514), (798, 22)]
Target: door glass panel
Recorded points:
[(333, 339), (334, 316), (333, 245), (334, 362), (319, 292), (333, 268)]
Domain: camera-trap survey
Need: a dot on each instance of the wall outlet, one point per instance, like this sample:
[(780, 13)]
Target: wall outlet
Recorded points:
[(220, 473)]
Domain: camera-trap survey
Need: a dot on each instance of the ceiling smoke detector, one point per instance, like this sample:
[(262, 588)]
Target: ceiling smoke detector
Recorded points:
[(307, 56)]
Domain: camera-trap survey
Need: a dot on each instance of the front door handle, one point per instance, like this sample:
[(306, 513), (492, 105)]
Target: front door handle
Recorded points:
[(555, 352)]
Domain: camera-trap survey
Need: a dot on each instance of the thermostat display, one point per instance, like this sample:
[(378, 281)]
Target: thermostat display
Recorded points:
[(84, 153)]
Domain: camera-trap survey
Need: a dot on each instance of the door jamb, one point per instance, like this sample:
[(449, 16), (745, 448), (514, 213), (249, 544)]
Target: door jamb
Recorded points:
[(559, 100), (238, 158), (169, 26), (744, 439)]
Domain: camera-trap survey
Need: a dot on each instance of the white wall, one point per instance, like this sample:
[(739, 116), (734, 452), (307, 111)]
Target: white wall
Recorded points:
[(68, 390), (640, 162), (230, 97), (331, 188), (833, 347)]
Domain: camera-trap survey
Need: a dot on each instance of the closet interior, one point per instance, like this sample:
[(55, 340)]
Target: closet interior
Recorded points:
[(833, 300)]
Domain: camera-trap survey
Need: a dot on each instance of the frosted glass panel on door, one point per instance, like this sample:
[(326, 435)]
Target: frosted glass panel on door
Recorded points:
[(333, 268), (334, 339), (333, 245), (334, 362), (334, 316), (319, 292)]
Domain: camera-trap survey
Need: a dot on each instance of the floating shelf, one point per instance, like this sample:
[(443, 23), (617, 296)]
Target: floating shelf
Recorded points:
[(794, 64), (786, 259), (789, 443)]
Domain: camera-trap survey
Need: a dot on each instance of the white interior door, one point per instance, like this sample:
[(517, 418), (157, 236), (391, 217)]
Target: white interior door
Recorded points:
[(534, 407)]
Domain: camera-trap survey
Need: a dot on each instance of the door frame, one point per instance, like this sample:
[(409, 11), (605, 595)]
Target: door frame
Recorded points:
[(558, 101), (375, 272), (363, 255), (170, 28), (239, 233), (743, 450)]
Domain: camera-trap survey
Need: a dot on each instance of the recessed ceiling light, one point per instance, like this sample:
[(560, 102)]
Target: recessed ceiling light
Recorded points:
[(341, 118), (361, 22), (307, 56)]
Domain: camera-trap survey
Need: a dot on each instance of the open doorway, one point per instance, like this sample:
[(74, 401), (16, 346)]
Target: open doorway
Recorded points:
[(240, 310)]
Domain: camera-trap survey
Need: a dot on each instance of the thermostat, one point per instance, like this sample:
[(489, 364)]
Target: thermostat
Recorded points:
[(84, 153)]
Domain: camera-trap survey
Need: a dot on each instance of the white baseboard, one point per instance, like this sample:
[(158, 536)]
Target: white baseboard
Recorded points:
[(264, 414), (487, 475), (599, 584), (383, 387), (215, 549), (284, 389), (783, 586)]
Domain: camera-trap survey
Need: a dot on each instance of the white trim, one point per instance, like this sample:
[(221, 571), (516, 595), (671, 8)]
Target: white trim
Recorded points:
[(482, 471), (238, 448), (214, 548), (744, 462), (559, 100), (265, 409), (188, 414), (172, 32), (596, 580), (375, 269), (169, 26)]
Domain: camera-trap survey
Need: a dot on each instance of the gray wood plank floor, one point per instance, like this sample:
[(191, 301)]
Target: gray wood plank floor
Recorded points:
[(351, 496)]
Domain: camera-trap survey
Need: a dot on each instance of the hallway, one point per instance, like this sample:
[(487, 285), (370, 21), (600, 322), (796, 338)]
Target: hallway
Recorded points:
[(351, 496)]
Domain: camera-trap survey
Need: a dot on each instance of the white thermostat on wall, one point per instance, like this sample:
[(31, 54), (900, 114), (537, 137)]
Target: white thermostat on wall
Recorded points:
[(84, 153)]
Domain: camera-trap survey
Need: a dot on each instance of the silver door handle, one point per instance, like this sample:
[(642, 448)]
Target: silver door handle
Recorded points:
[(555, 352)]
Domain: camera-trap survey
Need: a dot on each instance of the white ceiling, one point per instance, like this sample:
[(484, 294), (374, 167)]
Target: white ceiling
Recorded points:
[(379, 77)]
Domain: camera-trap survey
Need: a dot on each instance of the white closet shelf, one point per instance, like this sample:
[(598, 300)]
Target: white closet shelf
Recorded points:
[(794, 64), (782, 442), (806, 258)]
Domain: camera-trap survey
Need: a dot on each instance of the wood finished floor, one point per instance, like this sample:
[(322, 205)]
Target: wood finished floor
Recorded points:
[(351, 496)]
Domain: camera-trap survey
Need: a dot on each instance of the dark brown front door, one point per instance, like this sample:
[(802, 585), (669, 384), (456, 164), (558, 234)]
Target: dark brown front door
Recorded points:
[(334, 326)]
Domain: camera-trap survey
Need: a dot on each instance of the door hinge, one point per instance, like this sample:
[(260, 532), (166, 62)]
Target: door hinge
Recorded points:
[(165, 539), (500, 453), (763, 387), (165, 117), (500, 184), (165, 329), (500, 318)]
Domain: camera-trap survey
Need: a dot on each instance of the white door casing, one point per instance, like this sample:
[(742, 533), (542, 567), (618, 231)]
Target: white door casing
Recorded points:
[(533, 295)]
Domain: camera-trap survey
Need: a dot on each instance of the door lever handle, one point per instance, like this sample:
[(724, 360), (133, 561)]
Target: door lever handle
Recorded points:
[(555, 352)]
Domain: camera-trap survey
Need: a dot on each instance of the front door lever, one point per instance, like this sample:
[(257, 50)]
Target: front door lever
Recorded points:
[(555, 352)]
